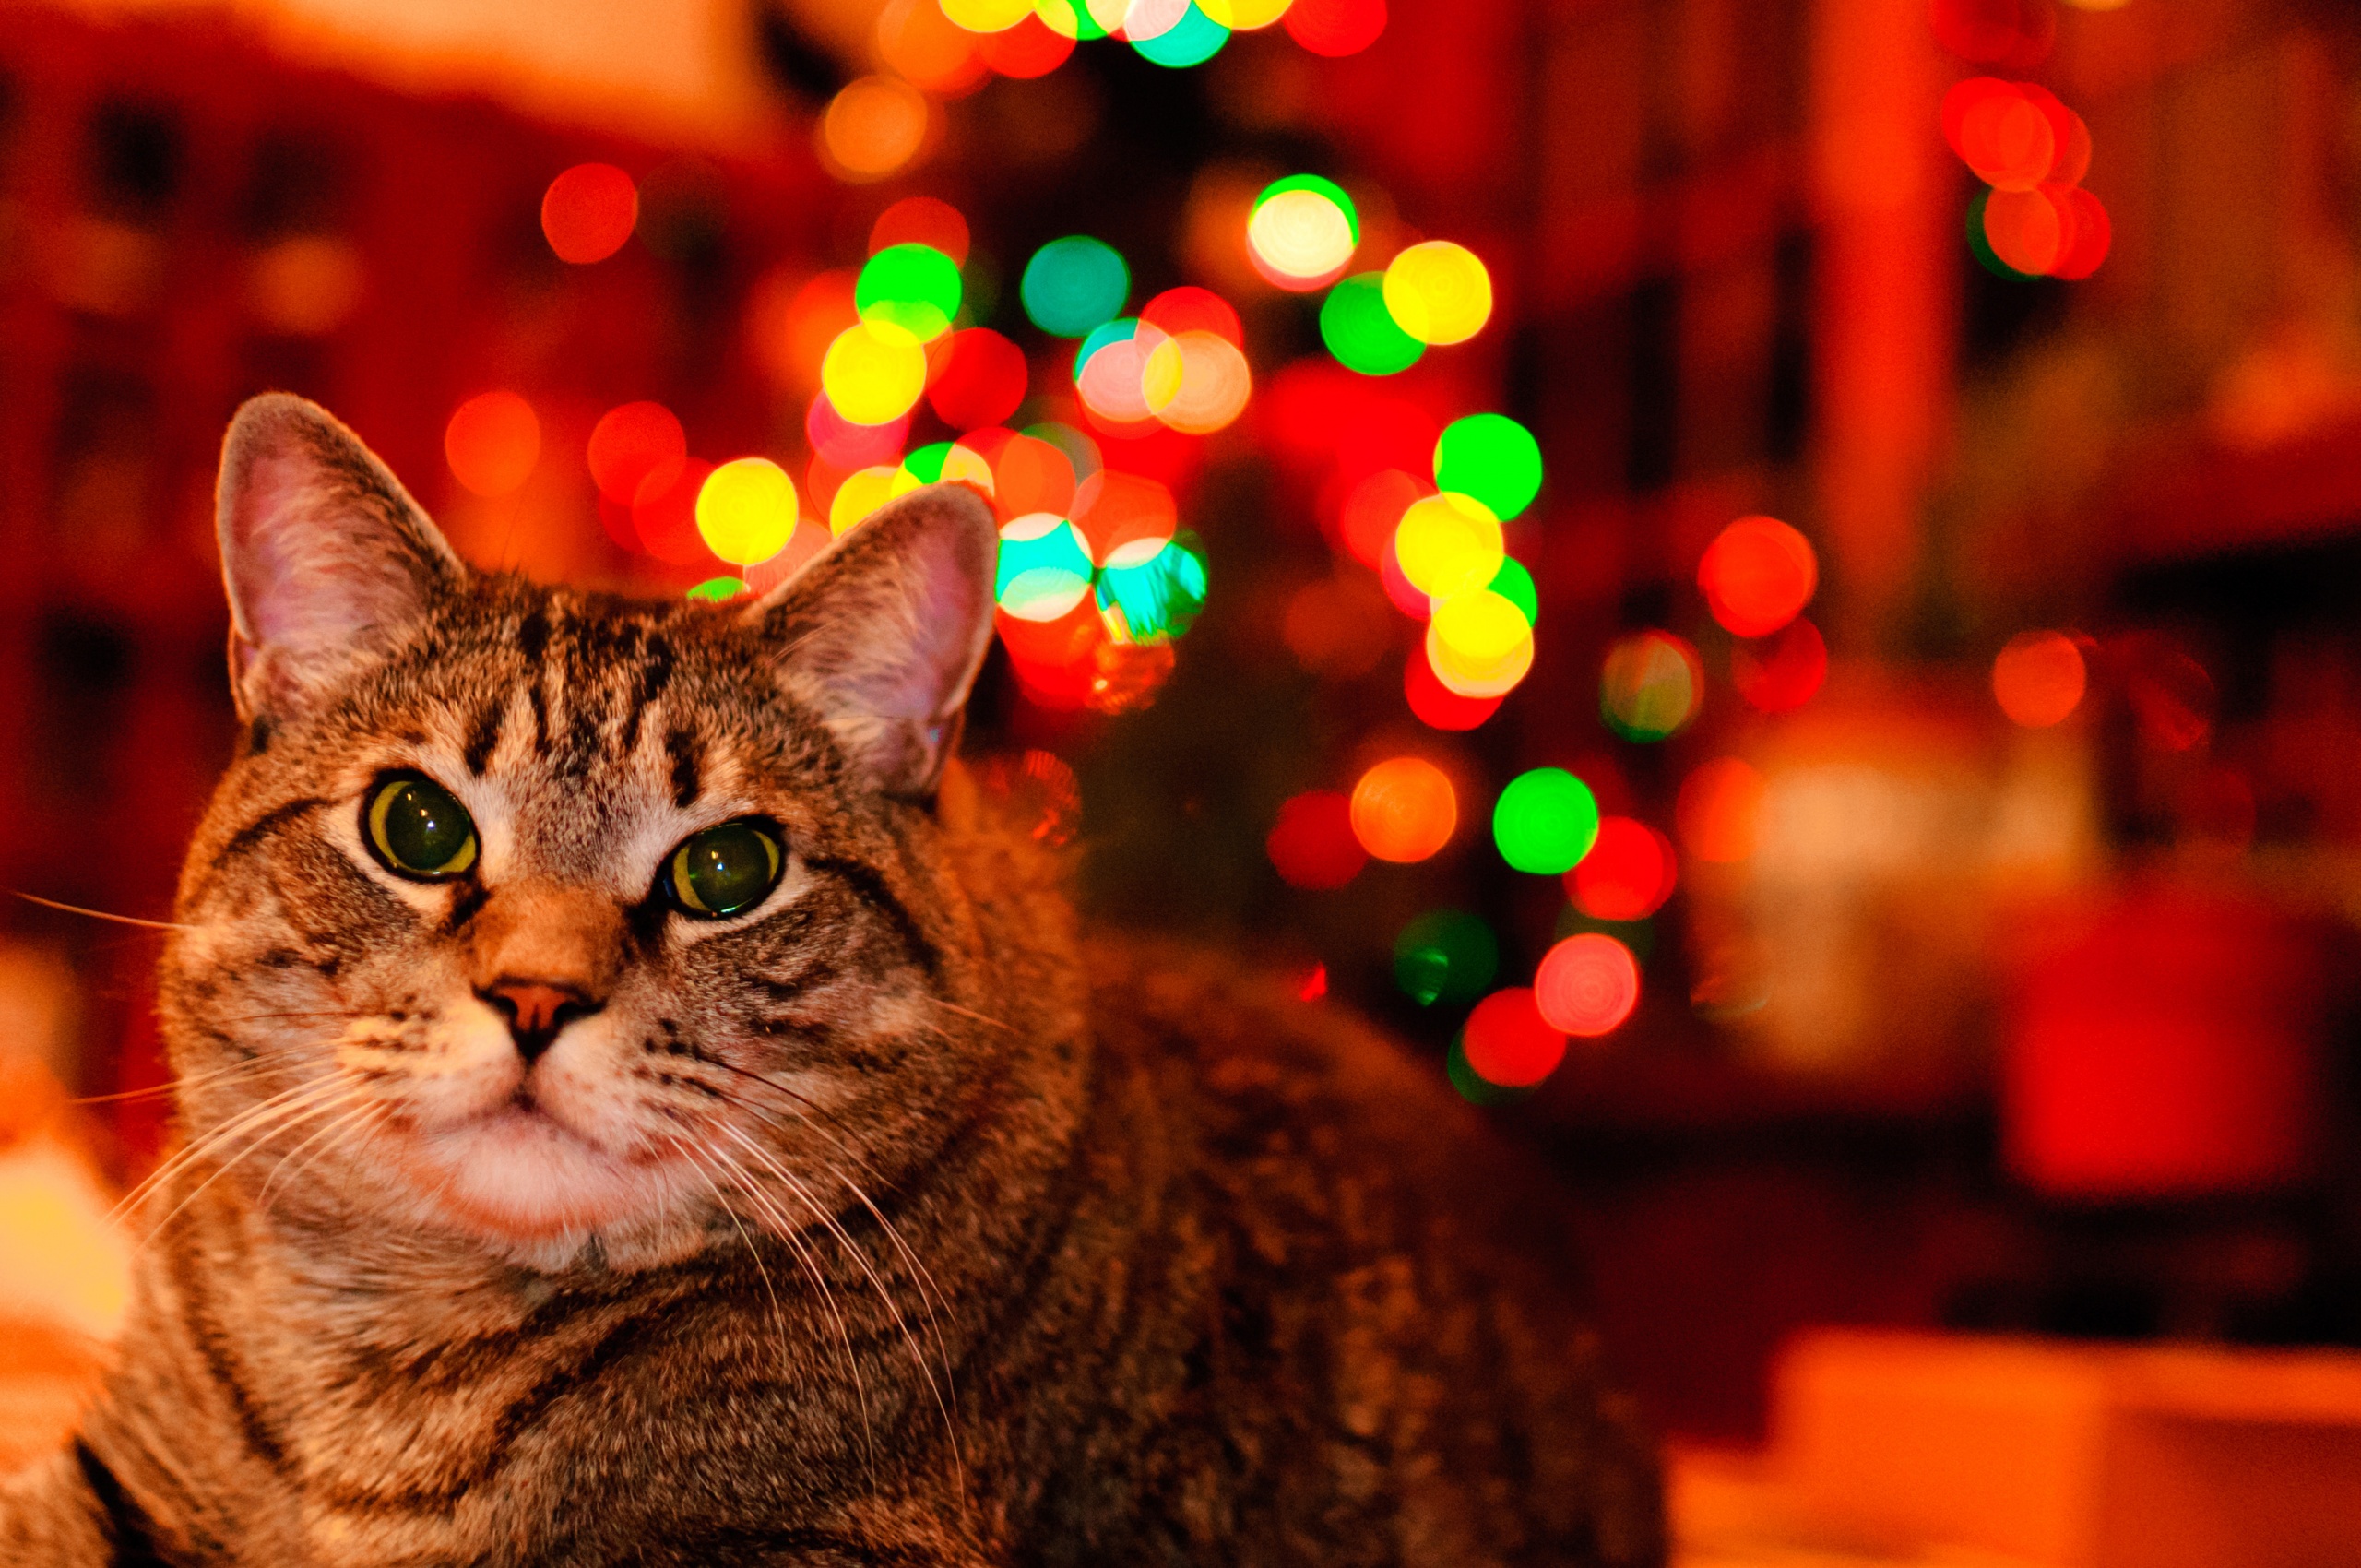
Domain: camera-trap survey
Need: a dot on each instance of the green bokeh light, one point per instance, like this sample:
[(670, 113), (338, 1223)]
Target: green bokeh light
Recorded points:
[(1491, 457), (913, 286), (1445, 955), (1513, 583), (1075, 284), (715, 590), (1158, 599), (925, 465), (1193, 40), (1123, 329), (1328, 188), (1044, 566), (1545, 821), (1360, 331)]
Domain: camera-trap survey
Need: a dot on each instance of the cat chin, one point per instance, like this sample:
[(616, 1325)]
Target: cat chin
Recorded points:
[(524, 1185)]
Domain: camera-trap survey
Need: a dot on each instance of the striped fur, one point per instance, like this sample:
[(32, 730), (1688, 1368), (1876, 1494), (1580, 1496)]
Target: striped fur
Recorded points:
[(895, 1222)]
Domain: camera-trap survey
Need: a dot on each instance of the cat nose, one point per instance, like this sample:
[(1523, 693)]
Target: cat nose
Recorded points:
[(536, 1010)]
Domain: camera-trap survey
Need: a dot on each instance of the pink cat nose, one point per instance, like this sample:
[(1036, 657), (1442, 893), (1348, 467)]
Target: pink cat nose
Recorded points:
[(536, 1010)]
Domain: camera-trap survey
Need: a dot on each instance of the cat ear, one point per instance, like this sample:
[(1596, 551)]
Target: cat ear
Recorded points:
[(325, 557), (883, 631)]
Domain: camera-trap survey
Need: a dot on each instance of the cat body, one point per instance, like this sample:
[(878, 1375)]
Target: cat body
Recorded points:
[(541, 1205)]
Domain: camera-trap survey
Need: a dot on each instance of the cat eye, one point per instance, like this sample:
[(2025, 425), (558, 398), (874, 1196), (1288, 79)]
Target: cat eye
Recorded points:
[(723, 871), (419, 831)]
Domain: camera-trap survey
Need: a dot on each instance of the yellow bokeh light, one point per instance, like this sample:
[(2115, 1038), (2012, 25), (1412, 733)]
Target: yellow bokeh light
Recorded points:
[(875, 126), (1479, 644), (873, 373), (1448, 544), (1058, 16), (860, 494), (1196, 382), (1244, 16), (1438, 292), (988, 16), (1300, 234), (746, 510)]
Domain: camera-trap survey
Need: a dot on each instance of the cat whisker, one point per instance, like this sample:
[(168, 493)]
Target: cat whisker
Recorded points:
[(171, 1085), (721, 1199), (334, 1127), (291, 1118), (100, 914), (264, 1115), (968, 1012)]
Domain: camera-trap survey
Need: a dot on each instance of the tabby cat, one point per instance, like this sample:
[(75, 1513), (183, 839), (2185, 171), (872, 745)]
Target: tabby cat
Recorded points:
[(640, 1105)]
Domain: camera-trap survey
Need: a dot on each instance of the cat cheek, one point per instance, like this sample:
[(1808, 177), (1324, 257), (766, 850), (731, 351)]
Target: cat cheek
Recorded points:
[(581, 1080), (468, 1068)]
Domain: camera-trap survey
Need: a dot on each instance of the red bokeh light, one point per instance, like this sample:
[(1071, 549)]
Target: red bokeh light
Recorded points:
[(1372, 511), (1311, 845), (1717, 809), (492, 443), (2017, 33), (1508, 1042), (2039, 678), (2087, 234), (848, 445), (1055, 662), (1587, 984), (1335, 27), (589, 211), (1628, 873), (1116, 511), (1031, 48), (636, 446), (1782, 673), (1437, 705), (1407, 596), (921, 220), (1757, 575), (1191, 309), (978, 378), (666, 519)]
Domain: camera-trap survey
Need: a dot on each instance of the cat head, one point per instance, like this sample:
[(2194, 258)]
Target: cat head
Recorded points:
[(532, 916)]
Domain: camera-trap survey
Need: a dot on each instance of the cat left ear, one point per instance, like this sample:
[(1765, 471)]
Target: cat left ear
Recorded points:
[(326, 559), (885, 631)]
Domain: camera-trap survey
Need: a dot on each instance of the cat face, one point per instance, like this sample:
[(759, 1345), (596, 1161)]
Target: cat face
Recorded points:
[(534, 918)]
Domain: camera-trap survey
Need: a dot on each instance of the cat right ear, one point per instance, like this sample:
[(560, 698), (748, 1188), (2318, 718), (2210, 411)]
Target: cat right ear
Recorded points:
[(325, 557)]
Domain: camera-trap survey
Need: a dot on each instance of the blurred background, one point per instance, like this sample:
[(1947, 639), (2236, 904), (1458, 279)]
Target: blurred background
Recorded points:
[(1768, 583)]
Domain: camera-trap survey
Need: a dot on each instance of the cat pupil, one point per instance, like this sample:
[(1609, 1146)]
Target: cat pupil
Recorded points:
[(419, 829), (725, 870)]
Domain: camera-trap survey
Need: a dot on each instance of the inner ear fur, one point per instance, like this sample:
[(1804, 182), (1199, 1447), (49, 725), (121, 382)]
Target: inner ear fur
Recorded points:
[(325, 558), (885, 631)]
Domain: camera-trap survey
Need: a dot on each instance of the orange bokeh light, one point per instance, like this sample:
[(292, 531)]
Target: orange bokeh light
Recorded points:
[(2039, 678), (589, 212), (1404, 809), (635, 449), (492, 443), (1757, 575), (1718, 810)]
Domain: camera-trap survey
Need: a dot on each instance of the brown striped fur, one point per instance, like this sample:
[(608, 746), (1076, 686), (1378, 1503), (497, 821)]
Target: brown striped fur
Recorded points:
[(895, 1222)]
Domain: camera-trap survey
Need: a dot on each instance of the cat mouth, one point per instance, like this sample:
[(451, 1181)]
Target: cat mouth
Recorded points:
[(522, 1173)]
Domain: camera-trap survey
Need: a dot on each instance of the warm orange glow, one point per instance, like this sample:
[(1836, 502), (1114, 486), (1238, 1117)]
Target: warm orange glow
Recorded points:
[(2025, 230), (1718, 810), (2039, 678), (928, 49), (1404, 809), (876, 126), (589, 212), (492, 443), (1587, 984)]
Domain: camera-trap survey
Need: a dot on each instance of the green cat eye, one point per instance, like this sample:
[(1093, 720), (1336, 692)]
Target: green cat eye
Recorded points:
[(417, 830), (724, 871)]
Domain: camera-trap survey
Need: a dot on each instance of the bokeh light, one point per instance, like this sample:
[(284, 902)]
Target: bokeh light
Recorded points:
[(1373, 510), (636, 447), (1244, 16), (1491, 457), (665, 517), (1444, 956), (2015, 33), (1311, 845), (1513, 583), (1192, 41), (1158, 600), (873, 373), (1073, 284), (1361, 333), (1044, 570), (1784, 673), (911, 286), (1479, 642), (1545, 821), (987, 15), (1509, 1042), (1447, 544), (1031, 475), (2002, 132), (2039, 678), (1191, 309), (1110, 372), (1628, 873), (2023, 230), (874, 127), (1196, 382), (1437, 292), (1587, 984), (1436, 705), (713, 590), (843, 444), (1082, 18), (928, 49), (1032, 47), (1404, 810), (1650, 686), (1757, 575), (1718, 810), (1302, 231), (1336, 28), (1124, 518), (979, 380), (921, 220), (589, 211), (746, 510), (861, 493), (492, 443)]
